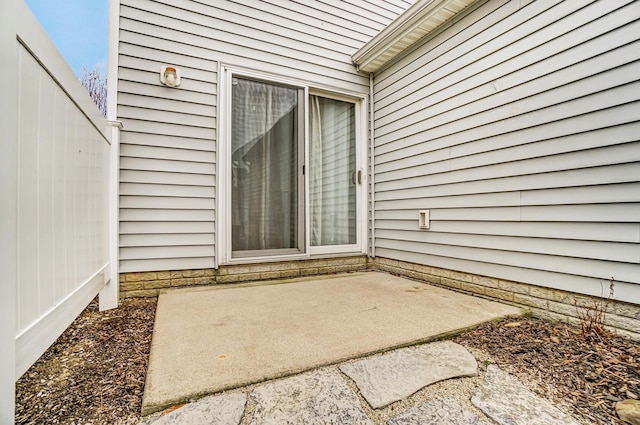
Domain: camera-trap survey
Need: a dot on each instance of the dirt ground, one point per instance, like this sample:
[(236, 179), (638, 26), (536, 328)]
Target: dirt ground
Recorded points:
[(95, 371)]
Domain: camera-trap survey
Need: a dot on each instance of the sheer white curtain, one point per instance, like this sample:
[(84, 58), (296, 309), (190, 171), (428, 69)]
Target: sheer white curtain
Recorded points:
[(332, 167), (264, 166)]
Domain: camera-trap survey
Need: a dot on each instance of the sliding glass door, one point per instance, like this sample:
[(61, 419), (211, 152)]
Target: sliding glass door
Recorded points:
[(266, 172), (293, 185)]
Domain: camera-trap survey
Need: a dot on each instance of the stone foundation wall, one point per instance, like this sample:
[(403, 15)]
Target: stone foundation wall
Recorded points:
[(149, 284), (546, 303), (542, 302)]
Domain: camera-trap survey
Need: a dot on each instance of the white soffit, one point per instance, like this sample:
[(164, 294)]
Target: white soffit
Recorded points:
[(420, 19)]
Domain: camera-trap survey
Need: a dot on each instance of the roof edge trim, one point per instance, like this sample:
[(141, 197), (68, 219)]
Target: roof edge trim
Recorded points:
[(404, 31)]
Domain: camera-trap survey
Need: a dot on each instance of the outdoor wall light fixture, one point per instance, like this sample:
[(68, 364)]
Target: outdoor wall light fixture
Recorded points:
[(170, 76)]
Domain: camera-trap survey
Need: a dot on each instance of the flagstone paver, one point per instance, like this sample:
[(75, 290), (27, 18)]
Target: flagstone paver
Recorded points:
[(396, 375), (507, 401), (323, 396), (224, 409), (441, 411), (318, 397)]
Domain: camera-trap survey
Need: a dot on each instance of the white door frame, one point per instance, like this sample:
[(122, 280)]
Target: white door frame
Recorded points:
[(223, 174)]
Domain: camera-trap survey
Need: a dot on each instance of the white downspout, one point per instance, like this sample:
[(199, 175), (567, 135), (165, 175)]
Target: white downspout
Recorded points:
[(372, 147)]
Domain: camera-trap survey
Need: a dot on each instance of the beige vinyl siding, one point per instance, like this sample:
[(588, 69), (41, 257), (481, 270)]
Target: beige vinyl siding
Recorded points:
[(518, 127), (168, 146)]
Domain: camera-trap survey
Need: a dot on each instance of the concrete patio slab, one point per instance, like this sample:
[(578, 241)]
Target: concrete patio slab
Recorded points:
[(394, 376), (207, 340)]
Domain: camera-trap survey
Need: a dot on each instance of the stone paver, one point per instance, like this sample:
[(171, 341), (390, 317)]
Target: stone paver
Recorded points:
[(505, 400), (224, 409), (629, 411), (318, 397), (441, 411), (396, 375)]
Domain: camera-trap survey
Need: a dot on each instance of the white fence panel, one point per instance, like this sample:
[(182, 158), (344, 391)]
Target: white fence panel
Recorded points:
[(63, 149)]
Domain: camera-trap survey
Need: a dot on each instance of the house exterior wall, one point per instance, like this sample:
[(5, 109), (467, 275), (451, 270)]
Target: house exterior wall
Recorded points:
[(169, 141), (518, 128)]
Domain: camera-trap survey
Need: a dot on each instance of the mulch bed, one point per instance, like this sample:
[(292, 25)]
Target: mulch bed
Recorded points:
[(587, 374), (95, 372)]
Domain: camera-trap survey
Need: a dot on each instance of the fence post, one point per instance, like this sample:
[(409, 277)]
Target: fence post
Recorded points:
[(109, 294), (8, 207)]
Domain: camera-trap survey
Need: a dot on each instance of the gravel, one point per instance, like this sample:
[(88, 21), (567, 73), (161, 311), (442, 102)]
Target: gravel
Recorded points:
[(95, 372)]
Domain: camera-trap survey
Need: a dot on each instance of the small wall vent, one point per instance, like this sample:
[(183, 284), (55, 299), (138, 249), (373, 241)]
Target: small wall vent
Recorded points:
[(423, 219)]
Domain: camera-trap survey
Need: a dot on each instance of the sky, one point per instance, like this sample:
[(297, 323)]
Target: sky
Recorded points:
[(78, 28)]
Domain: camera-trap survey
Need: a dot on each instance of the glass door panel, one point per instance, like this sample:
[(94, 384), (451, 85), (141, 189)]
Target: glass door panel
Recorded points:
[(332, 172), (266, 191)]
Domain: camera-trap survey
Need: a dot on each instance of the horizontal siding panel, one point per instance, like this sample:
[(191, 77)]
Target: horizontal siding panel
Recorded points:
[(156, 177), (566, 84), (367, 14), (199, 46), (602, 213), (167, 202), (152, 78), (601, 138), (175, 106), (464, 214), (177, 191), (160, 93), (196, 27), (386, 9), (607, 232), (522, 99), (168, 239), (614, 213), (144, 265), (578, 125), (149, 53), (618, 159), (206, 75), (169, 227), (167, 117), (323, 17), (155, 252), (514, 86), (160, 140), (443, 48), (504, 199), (511, 35), (527, 153), (500, 70), (609, 251), (579, 99), (576, 266), (166, 166), (275, 19), (625, 291), (164, 129), (583, 195), (266, 62), (156, 152), (148, 214), (438, 186)]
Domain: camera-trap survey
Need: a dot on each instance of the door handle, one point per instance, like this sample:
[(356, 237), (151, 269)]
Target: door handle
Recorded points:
[(356, 177)]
